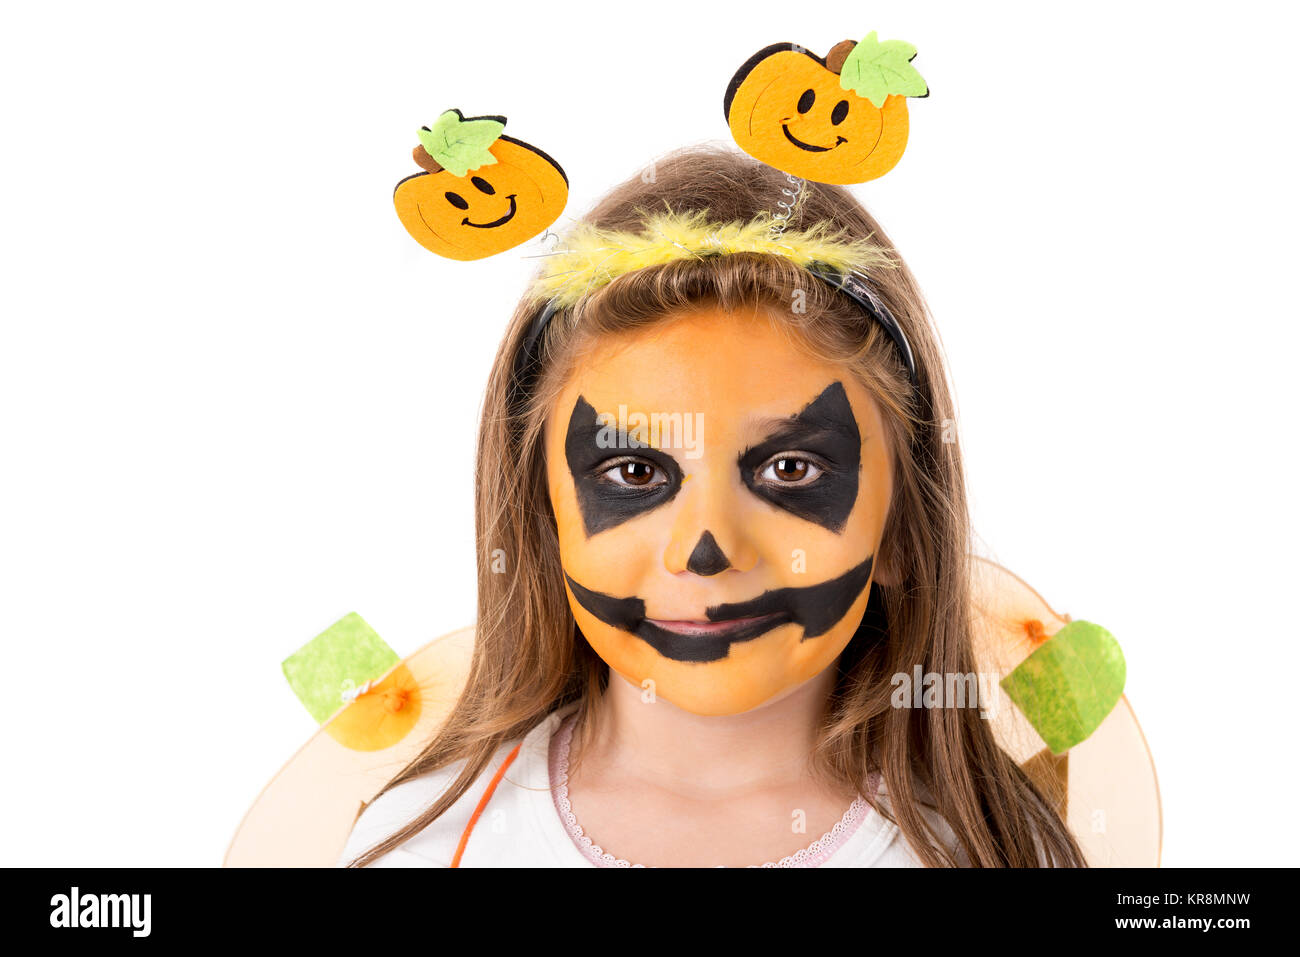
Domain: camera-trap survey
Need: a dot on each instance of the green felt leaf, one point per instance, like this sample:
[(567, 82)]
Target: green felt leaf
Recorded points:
[(345, 655), (1069, 684), (460, 145), (876, 70)]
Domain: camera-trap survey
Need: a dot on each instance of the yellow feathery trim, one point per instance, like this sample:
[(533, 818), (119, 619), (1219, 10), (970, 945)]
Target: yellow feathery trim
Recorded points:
[(590, 257)]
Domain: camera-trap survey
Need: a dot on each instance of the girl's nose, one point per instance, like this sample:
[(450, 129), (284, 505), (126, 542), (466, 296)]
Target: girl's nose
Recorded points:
[(707, 557), (707, 537)]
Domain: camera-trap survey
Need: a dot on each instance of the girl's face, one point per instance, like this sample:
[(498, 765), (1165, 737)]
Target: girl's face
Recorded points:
[(719, 496)]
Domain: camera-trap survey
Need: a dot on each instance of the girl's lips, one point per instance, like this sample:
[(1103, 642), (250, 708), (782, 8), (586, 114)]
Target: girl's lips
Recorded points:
[(708, 629)]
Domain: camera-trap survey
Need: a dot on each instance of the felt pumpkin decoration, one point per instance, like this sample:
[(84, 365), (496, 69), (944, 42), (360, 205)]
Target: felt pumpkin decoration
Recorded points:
[(381, 716), (842, 119), (351, 668), (481, 192)]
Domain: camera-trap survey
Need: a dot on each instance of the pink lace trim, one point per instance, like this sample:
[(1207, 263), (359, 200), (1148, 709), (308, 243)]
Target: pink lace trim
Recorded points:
[(813, 855)]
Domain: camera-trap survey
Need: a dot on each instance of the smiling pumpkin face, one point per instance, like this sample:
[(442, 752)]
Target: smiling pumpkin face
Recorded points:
[(475, 200), (819, 119), (719, 497)]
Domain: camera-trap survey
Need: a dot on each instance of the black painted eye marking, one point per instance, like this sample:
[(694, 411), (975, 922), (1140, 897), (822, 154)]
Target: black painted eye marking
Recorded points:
[(815, 607), (605, 503), (827, 431), (456, 200), (485, 187), (806, 101), (707, 558), (840, 113)]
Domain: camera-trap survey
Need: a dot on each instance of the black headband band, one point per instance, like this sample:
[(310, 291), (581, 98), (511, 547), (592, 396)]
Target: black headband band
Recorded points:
[(853, 284)]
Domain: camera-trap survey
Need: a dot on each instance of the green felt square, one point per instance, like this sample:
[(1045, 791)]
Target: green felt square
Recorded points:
[(1069, 684), (346, 654)]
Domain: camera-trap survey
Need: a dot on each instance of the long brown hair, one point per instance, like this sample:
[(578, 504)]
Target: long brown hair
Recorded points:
[(528, 659)]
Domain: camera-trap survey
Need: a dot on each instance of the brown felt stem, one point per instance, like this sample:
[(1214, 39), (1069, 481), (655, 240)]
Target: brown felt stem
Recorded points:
[(424, 160), (839, 53)]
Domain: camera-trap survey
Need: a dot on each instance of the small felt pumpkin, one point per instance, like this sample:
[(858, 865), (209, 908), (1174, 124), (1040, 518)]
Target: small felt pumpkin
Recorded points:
[(842, 119), (381, 716), (481, 192)]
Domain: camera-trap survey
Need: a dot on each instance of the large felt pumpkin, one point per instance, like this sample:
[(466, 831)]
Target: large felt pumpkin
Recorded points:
[(481, 192), (842, 119)]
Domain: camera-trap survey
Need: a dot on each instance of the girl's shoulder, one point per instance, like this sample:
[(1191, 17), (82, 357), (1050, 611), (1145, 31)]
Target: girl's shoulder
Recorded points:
[(436, 844), (898, 852)]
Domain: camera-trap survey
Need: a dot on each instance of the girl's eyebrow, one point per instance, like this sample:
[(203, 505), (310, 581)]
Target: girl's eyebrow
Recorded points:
[(787, 430), (585, 426), (828, 412)]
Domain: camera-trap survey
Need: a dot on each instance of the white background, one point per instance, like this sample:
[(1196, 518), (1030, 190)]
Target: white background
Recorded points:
[(237, 401)]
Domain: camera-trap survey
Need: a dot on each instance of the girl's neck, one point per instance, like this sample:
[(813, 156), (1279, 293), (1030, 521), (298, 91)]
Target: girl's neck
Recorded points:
[(705, 757)]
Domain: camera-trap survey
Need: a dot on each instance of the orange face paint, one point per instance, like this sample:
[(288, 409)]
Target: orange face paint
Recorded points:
[(719, 496)]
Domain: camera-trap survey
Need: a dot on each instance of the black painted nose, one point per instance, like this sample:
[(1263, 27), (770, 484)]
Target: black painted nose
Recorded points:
[(706, 557)]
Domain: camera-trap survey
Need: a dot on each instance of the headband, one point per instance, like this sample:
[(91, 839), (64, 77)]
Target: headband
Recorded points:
[(592, 257)]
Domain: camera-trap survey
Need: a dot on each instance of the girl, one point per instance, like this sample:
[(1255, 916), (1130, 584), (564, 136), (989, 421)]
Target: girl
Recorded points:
[(716, 512)]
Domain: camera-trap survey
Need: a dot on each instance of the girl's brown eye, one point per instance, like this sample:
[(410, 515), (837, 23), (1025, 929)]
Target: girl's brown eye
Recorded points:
[(789, 470), (636, 474)]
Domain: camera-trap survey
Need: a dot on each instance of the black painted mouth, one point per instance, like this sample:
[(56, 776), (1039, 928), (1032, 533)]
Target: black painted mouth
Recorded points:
[(816, 607), (496, 222), (809, 146)]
